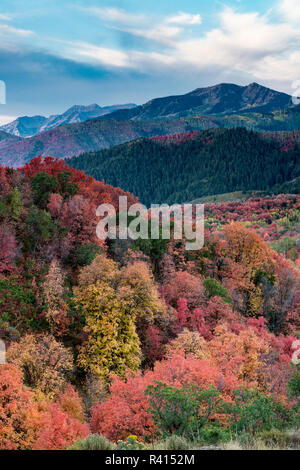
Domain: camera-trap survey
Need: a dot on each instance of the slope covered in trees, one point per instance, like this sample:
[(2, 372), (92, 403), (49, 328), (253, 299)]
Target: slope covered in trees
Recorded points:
[(121, 344), (183, 168)]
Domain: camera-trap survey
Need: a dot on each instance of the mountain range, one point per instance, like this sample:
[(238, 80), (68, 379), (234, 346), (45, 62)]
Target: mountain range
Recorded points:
[(77, 131), (223, 99), (29, 126)]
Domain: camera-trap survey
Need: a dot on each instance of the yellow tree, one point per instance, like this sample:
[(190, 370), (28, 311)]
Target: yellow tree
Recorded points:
[(112, 343), (252, 264)]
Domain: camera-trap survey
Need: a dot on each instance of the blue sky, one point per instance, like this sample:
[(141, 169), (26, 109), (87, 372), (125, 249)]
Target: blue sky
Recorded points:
[(56, 53)]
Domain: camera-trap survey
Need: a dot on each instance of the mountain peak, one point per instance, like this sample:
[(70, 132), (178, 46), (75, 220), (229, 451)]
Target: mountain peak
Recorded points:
[(27, 126), (221, 99)]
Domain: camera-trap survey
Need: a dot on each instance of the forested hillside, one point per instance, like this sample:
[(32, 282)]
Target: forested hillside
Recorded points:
[(140, 344), (185, 167)]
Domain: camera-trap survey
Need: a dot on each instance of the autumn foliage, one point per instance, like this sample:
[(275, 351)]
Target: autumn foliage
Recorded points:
[(91, 325)]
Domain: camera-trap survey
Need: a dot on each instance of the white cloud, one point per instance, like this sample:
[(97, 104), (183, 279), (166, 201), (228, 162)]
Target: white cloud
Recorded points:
[(184, 19), (4, 17), (243, 44), (146, 26), (161, 33), (4, 119), (10, 30), (95, 54), (290, 10), (115, 15)]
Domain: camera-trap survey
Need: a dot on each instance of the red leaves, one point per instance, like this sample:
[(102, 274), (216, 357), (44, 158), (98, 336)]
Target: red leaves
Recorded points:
[(18, 411), (59, 430), (8, 248), (52, 166), (4, 183)]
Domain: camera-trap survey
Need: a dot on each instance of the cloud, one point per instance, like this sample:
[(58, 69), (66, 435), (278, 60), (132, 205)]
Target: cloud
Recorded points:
[(10, 30), (162, 33), (161, 30), (243, 42), (100, 55), (241, 47), (4, 17), (115, 15), (290, 10), (4, 119), (184, 19)]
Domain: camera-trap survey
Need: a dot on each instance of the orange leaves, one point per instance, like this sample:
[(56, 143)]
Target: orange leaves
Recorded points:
[(242, 354), (245, 246), (19, 415), (26, 423)]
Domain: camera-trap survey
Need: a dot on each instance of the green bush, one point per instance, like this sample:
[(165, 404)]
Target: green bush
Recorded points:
[(83, 255), (214, 288), (176, 411), (214, 434), (255, 412)]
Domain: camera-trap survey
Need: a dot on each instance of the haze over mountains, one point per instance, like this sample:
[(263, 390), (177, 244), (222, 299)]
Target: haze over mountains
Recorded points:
[(78, 130), (29, 126)]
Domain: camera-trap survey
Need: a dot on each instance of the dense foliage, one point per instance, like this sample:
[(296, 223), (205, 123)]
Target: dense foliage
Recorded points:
[(177, 171), (120, 344)]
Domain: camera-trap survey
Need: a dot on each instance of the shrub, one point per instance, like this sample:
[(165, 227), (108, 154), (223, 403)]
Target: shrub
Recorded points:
[(93, 442), (275, 438), (255, 412), (214, 288), (214, 434), (131, 444), (173, 442), (182, 411)]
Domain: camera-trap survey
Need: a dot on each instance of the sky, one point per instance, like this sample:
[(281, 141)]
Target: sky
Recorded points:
[(57, 53)]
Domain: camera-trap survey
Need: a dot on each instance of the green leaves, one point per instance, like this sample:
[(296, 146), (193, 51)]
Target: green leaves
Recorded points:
[(182, 411)]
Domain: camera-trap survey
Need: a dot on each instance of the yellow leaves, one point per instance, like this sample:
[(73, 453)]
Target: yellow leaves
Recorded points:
[(101, 269), (191, 343), (46, 364), (114, 302), (112, 343)]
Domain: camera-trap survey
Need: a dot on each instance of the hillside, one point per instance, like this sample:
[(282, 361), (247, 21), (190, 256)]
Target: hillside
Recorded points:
[(222, 99), (98, 332), (7, 139), (28, 126), (212, 162)]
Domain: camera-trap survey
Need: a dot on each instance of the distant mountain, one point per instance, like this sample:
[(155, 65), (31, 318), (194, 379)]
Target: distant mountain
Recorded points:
[(73, 139), (29, 126), (7, 139), (208, 163), (224, 106), (223, 99)]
